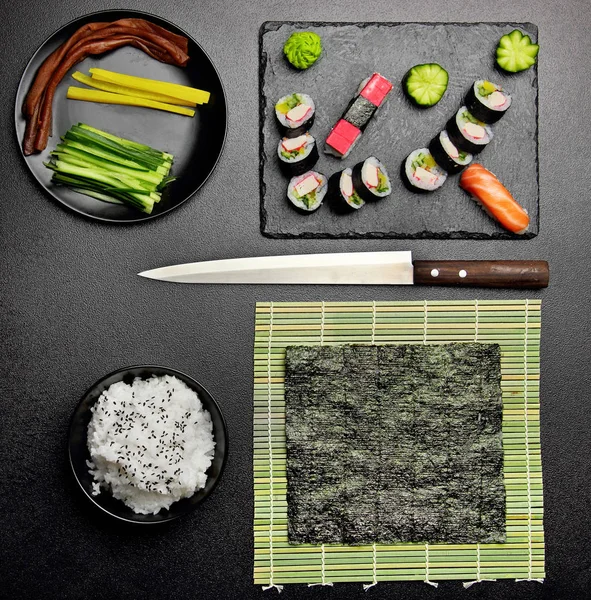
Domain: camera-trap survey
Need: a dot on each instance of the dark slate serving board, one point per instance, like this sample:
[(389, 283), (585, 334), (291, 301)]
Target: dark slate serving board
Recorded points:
[(398, 443), (352, 51)]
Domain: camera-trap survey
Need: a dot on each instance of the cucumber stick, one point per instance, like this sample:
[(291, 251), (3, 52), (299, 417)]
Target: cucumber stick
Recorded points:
[(426, 84), (109, 168), (516, 52)]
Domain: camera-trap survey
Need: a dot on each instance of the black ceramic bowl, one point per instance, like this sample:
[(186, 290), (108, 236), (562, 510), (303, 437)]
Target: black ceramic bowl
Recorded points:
[(79, 454)]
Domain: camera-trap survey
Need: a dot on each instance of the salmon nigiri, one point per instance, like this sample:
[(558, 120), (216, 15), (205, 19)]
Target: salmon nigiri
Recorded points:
[(494, 198)]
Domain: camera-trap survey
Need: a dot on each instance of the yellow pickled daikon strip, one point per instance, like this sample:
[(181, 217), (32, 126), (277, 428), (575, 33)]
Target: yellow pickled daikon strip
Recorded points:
[(127, 91), (76, 93), (176, 90)]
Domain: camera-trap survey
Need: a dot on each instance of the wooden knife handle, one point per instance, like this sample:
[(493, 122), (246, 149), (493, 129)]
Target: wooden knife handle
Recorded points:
[(482, 273)]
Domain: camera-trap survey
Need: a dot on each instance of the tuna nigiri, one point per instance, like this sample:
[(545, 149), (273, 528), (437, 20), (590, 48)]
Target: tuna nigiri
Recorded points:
[(494, 198)]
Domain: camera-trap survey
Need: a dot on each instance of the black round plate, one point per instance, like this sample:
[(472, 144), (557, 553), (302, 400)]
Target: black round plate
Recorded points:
[(196, 143), (79, 454)]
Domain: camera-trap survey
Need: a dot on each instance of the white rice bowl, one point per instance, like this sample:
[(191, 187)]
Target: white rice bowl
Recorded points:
[(150, 443)]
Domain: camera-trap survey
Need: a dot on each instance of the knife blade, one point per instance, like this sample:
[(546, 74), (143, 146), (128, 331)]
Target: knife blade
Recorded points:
[(358, 268)]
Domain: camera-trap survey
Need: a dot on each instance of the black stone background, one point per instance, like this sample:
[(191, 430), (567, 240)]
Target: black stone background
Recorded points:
[(73, 310), (352, 52)]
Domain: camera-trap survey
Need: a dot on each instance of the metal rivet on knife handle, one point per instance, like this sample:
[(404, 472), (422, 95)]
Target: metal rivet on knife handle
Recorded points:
[(532, 274)]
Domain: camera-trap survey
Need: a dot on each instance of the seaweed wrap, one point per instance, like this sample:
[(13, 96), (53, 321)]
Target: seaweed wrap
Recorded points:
[(370, 179), (306, 192), (420, 172), (467, 132), (487, 101), (297, 155), (359, 112), (447, 155), (295, 113)]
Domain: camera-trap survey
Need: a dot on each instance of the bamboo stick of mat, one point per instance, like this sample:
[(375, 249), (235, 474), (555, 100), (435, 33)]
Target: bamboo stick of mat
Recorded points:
[(514, 325)]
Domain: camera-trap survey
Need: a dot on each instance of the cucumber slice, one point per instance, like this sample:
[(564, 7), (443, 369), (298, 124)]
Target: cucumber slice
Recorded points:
[(426, 84), (516, 52)]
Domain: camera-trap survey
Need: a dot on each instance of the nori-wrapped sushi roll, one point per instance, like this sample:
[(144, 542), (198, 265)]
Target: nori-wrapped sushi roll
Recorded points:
[(306, 192), (297, 155), (343, 196), (468, 133), (487, 101), (420, 173), (295, 114), (370, 179), (447, 156)]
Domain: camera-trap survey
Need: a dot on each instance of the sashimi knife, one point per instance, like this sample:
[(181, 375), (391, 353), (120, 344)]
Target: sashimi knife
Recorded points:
[(359, 268)]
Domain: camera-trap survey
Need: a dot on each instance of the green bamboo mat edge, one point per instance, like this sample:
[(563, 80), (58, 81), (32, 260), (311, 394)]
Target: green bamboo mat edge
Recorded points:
[(515, 325)]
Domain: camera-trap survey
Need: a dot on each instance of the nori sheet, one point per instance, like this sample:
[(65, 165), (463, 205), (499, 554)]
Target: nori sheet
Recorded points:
[(399, 443), (359, 112)]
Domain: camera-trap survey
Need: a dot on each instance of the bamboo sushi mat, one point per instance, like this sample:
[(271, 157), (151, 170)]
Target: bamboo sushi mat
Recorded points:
[(515, 325)]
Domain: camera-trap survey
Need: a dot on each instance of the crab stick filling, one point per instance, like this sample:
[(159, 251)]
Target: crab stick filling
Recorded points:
[(474, 130), (307, 185), (421, 174), (297, 113), (289, 145), (372, 178), (347, 184), (497, 99)]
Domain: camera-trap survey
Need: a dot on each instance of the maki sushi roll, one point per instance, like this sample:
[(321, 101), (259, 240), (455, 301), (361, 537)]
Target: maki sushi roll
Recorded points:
[(420, 172), (370, 179), (467, 132), (487, 101), (306, 192), (297, 155), (445, 153), (343, 194), (295, 113)]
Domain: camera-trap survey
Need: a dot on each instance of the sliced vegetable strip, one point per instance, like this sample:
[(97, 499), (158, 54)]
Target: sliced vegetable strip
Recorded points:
[(76, 93), (127, 91), (175, 90), (109, 168)]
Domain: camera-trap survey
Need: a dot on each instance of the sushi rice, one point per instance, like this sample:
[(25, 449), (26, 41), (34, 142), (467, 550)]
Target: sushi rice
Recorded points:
[(150, 443), (306, 192), (421, 172)]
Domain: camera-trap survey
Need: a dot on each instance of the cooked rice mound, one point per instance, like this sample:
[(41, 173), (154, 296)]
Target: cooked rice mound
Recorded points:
[(150, 443)]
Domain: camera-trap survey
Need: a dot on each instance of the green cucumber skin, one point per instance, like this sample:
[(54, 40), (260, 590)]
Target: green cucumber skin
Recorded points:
[(408, 79), (107, 167), (512, 56)]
